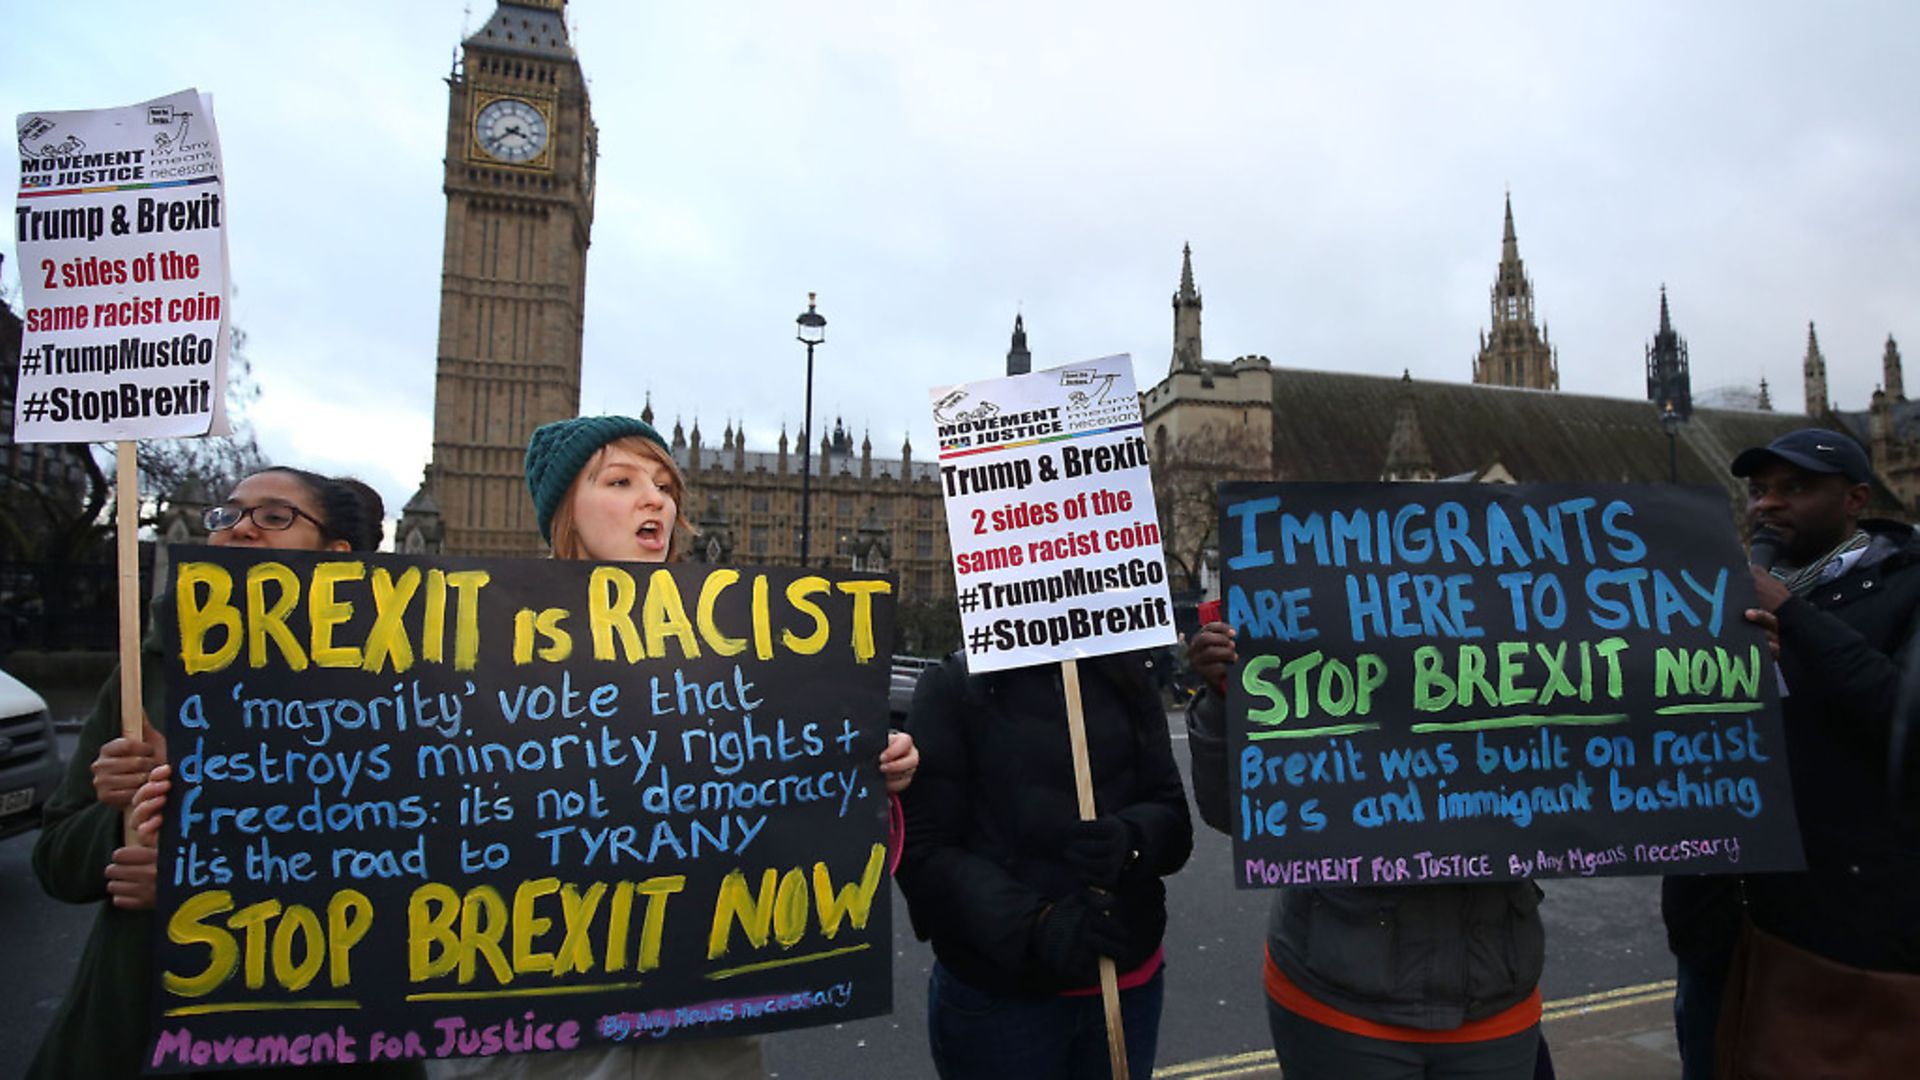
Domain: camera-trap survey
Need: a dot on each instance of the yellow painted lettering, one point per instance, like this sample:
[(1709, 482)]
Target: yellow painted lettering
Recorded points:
[(466, 585), (349, 917), (188, 926), (528, 926), (432, 946), (264, 622), (252, 921), (656, 890), (559, 644), (852, 901), (610, 596), (433, 621), (863, 593), (576, 913), (790, 908), (798, 590), (717, 582), (663, 615), (762, 619), (523, 636), (325, 611), (735, 901), (299, 921), (617, 920), (198, 616), (483, 922), (387, 642)]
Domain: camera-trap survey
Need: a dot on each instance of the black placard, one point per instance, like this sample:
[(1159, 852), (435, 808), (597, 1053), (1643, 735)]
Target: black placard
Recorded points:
[(1478, 682), (455, 807)]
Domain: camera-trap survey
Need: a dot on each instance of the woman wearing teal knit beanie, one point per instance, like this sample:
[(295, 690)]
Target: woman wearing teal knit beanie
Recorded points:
[(607, 488)]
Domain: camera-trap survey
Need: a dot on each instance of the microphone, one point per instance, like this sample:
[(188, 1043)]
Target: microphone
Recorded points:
[(1763, 547)]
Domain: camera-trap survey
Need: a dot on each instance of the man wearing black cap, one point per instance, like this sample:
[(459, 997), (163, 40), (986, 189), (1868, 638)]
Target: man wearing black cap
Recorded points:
[(1829, 974)]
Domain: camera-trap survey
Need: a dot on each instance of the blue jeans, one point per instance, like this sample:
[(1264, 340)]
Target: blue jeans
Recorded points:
[(1700, 986), (975, 1035)]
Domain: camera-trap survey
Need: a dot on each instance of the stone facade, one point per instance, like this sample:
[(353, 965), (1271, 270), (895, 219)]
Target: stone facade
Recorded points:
[(1889, 428), (882, 515), (520, 157)]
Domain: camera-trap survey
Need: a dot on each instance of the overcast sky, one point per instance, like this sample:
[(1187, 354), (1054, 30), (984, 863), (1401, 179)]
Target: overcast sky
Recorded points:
[(930, 168)]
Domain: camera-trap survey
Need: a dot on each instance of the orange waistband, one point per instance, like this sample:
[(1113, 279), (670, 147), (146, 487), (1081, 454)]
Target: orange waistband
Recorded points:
[(1511, 1021)]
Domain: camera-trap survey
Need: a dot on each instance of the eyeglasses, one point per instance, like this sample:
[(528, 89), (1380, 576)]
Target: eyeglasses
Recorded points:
[(271, 517)]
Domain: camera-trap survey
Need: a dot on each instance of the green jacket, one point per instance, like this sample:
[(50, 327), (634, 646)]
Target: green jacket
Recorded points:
[(100, 1030)]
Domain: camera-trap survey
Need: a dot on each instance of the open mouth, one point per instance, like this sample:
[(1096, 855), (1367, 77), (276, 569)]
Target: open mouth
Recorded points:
[(652, 533)]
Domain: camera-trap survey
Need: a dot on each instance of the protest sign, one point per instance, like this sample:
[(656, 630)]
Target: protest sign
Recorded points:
[(1056, 547), (456, 807), (121, 224), (1476, 682)]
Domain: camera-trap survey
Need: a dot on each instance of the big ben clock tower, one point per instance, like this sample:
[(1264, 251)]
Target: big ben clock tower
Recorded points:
[(519, 183)]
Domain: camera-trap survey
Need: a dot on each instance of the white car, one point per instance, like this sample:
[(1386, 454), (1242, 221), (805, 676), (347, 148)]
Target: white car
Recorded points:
[(29, 758)]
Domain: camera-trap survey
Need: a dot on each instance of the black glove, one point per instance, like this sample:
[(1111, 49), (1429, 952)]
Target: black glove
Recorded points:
[(1099, 850), (1075, 933)]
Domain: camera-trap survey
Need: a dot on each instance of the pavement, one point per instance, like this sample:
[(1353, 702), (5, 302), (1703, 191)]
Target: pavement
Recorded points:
[(1620, 1034)]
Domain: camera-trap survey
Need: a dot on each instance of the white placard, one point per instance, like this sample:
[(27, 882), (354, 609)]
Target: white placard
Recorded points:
[(121, 226), (1056, 546)]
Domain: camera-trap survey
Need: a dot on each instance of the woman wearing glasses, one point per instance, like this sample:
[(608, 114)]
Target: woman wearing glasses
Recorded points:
[(80, 857)]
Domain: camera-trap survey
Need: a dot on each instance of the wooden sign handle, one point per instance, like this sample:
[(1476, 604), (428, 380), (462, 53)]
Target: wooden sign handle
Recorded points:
[(127, 542), (1083, 787)]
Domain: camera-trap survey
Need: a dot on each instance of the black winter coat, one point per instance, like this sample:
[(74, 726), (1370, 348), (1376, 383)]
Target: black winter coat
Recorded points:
[(1431, 957), (1842, 652), (992, 803)]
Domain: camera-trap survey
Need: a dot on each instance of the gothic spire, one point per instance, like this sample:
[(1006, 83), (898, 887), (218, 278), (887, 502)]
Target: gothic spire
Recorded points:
[(1509, 246), (1518, 350), (1814, 371), (1019, 360), (1890, 373), (1407, 455), (1669, 378), (1186, 317)]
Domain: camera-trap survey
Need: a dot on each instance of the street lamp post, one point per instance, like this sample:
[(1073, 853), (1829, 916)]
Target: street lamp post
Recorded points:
[(813, 331), (1670, 420)]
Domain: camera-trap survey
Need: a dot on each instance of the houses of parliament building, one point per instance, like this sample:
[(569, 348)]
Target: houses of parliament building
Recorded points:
[(519, 181)]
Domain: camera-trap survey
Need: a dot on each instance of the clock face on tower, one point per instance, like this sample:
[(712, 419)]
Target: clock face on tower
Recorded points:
[(511, 130)]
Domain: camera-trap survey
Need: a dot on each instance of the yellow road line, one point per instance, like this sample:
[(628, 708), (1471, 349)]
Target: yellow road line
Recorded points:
[(1649, 998), (1258, 1059), (1264, 1067), (1665, 986), (1232, 1065)]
